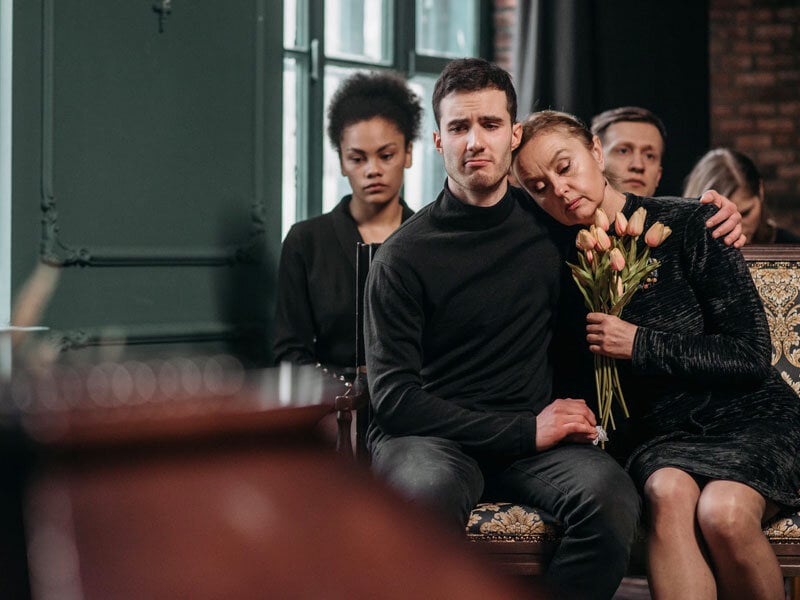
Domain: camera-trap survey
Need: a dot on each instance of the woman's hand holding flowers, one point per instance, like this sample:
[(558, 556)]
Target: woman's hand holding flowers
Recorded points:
[(608, 272), (610, 335)]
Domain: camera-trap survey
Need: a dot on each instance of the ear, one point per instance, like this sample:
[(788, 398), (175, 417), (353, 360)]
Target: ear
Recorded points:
[(341, 165), (409, 147), (597, 152), (761, 190), (437, 141), (516, 135), (660, 171)]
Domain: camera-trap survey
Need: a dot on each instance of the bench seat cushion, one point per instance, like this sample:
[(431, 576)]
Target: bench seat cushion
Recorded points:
[(505, 521)]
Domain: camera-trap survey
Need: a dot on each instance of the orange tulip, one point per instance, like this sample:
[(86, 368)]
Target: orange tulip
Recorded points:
[(616, 259), (636, 222), (656, 235), (603, 241), (585, 240), (620, 224), (601, 219)]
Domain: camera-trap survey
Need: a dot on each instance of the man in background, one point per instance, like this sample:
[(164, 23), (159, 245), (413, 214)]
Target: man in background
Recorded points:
[(633, 141)]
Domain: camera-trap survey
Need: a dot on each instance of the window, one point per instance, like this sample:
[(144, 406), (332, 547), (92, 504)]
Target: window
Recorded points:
[(325, 41)]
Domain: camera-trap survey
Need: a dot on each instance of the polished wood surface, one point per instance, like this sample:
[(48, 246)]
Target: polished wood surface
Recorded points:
[(223, 495)]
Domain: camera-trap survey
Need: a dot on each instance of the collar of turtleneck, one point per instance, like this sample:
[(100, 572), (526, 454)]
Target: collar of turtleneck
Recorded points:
[(450, 212)]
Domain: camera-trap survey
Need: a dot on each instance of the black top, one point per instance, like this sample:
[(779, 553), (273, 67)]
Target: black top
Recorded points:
[(700, 387), (315, 312), (784, 236), (458, 316)]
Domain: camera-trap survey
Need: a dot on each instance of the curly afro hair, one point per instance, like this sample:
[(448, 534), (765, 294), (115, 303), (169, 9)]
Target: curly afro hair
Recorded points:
[(364, 96)]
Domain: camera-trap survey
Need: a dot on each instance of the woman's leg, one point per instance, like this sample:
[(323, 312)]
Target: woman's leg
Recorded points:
[(677, 565), (730, 516)]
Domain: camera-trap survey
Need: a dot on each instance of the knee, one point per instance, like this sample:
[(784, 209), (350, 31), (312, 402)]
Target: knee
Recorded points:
[(610, 498), (671, 491), (449, 487), (725, 521), (610, 485)]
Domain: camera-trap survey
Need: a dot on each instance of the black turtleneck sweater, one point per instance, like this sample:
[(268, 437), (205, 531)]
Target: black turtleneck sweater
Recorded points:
[(459, 313)]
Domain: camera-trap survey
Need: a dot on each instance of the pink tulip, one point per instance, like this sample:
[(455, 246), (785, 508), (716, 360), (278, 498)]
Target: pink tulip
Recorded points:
[(616, 259), (636, 222), (620, 287), (585, 240), (620, 224), (656, 235), (601, 219), (603, 241)]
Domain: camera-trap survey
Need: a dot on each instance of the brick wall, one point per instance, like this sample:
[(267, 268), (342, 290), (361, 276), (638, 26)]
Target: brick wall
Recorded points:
[(503, 32), (755, 88), (755, 92)]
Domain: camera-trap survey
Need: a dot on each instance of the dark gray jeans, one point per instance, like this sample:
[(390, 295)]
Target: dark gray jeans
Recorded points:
[(581, 485)]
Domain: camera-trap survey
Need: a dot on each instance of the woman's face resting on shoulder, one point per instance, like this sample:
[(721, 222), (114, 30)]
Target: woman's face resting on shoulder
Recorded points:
[(563, 175), (373, 155)]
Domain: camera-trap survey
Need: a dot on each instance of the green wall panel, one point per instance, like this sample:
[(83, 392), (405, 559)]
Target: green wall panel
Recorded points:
[(146, 163)]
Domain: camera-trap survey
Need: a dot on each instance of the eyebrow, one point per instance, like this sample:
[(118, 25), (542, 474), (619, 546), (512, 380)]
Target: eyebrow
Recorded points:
[(557, 156), (630, 143), (381, 149), (481, 119)]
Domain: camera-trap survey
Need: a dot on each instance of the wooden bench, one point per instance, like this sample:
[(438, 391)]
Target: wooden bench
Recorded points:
[(521, 538)]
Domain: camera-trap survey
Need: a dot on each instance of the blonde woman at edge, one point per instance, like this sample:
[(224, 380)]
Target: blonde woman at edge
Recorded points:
[(736, 176)]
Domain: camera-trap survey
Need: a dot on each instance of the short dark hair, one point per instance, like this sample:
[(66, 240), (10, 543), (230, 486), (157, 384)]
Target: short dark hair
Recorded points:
[(472, 75), (364, 96), (636, 114)]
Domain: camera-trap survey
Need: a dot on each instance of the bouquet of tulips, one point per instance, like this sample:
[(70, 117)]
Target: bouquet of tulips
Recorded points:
[(608, 273)]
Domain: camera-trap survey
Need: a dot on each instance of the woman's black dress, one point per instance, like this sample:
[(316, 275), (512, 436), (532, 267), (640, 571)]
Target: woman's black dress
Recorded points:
[(700, 388)]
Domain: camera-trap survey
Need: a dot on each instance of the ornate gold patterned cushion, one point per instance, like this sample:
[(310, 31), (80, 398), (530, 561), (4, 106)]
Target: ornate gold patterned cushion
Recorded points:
[(507, 521), (784, 529), (778, 283)]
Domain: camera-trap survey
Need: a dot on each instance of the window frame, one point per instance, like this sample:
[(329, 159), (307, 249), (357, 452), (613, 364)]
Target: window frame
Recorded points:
[(311, 62)]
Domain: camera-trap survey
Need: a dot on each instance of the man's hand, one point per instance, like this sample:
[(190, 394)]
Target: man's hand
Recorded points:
[(728, 218), (610, 335), (565, 419)]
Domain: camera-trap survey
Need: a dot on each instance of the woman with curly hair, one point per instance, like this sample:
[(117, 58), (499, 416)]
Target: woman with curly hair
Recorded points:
[(373, 120)]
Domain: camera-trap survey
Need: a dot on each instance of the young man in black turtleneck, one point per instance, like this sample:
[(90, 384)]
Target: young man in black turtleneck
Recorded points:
[(458, 319)]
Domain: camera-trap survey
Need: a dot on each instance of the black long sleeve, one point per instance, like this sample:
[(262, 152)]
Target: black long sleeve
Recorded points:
[(458, 317)]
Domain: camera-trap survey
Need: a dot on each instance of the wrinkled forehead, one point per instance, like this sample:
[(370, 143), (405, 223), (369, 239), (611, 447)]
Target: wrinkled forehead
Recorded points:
[(487, 103), (542, 151)]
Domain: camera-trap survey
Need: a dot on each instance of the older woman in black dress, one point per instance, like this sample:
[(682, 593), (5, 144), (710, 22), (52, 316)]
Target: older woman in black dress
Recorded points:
[(713, 436)]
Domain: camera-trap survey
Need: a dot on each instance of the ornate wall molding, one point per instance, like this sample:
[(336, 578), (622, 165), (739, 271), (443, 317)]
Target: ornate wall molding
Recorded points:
[(56, 251), (143, 334)]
